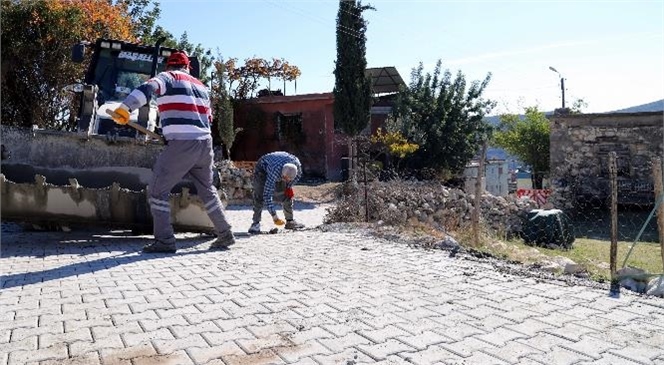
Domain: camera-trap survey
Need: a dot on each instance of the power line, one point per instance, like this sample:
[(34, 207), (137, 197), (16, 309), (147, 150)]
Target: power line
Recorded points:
[(353, 33), (343, 29)]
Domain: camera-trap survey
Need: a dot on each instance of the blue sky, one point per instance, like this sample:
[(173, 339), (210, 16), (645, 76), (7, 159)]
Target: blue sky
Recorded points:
[(611, 53)]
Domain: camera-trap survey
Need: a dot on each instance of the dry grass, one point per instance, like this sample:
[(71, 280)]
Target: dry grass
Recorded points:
[(593, 255)]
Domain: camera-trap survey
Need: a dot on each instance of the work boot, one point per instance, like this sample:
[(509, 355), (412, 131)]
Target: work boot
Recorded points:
[(159, 246), (223, 241), (255, 228), (293, 225)]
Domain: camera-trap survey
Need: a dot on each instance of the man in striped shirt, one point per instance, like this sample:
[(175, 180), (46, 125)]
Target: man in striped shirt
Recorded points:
[(185, 115), (274, 175)]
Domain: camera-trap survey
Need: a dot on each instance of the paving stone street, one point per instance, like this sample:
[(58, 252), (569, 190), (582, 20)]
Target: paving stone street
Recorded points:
[(308, 297)]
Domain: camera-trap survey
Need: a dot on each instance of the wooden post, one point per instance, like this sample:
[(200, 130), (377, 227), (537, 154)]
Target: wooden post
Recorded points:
[(613, 175), (351, 159), (475, 218), (659, 190)]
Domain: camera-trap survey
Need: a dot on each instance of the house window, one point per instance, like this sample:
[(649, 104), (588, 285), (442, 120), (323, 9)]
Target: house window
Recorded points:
[(289, 127)]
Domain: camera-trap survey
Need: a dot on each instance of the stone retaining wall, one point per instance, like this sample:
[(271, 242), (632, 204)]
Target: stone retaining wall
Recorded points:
[(412, 202), (236, 180)]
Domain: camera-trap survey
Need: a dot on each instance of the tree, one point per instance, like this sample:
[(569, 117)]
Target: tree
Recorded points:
[(352, 88), (144, 15), (443, 116), (204, 55), (249, 75), (222, 107), (393, 145), (528, 139), (36, 46), (578, 105)]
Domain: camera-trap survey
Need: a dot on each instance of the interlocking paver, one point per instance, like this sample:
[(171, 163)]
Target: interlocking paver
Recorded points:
[(264, 357), (202, 355), (179, 357), (134, 339), (305, 361), (500, 336), (393, 360), (513, 352), (478, 358), (91, 358), (349, 356), (296, 352), (559, 355), (55, 352), (431, 355), (517, 316), (424, 340), (458, 331), (100, 332), (545, 341), (609, 359), (382, 350), (467, 346), (591, 346), (491, 322), (21, 333), (572, 331), (346, 327), (222, 337), (28, 343), (640, 352), (81, 348), (49, 339), (167, 346), (383, 334), (307, 297)]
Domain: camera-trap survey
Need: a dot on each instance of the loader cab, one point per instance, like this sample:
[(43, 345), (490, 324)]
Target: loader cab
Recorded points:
[(116, 68)]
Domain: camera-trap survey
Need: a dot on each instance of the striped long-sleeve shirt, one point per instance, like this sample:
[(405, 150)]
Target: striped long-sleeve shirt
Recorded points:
[(272, 164), (183, 102)]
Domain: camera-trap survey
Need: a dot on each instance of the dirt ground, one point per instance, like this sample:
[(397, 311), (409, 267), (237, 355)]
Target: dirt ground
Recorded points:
[(324, 192)]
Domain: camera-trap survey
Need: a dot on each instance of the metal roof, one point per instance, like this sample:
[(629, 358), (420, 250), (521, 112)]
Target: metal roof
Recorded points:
[(385, 79)]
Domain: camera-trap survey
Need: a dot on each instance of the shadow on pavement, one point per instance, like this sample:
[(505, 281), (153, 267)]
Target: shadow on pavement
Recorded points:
[(117, 248)]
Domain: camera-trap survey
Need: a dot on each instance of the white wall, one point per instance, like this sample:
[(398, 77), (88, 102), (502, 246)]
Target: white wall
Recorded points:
[(495, 180)]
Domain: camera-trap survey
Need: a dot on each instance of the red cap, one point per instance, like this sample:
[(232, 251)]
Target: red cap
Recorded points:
[(178, 59)]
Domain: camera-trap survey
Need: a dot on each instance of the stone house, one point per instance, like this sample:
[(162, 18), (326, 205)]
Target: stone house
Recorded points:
[(580, 146)]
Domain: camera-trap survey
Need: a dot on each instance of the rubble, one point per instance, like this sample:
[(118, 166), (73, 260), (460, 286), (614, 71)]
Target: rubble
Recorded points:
[(427, 202)]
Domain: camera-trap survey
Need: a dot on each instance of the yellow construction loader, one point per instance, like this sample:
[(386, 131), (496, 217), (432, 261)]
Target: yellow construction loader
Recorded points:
[(99, 175)]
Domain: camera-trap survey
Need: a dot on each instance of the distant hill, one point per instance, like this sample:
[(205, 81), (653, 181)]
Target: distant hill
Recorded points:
[(655, 106)]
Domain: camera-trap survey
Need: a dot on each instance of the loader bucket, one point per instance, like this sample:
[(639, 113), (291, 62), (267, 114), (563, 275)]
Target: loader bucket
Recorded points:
[(66, 178)]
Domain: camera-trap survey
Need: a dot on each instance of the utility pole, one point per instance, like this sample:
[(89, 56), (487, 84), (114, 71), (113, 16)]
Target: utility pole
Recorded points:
[(562, 83)]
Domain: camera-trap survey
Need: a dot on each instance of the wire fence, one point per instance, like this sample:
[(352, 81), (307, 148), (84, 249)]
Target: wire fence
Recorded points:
[(607, 208)]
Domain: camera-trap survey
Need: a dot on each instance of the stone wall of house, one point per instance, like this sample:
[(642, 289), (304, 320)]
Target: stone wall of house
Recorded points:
[(580, 146)]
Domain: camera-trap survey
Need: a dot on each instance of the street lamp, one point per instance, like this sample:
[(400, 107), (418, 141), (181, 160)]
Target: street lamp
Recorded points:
[(562, 83)]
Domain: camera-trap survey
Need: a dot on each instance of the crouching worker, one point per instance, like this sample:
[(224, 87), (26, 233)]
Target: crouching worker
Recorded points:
[(184, 111), (274, 175)]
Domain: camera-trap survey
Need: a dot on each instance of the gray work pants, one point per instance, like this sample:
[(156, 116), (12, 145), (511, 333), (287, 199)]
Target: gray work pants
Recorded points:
[(179, 158), (279, 196)]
